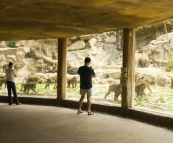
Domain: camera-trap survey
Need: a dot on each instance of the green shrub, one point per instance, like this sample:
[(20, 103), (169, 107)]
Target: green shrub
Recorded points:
[(11, 44)]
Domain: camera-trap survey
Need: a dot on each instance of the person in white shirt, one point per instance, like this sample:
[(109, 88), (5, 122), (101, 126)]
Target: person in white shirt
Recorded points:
[(10, 80)]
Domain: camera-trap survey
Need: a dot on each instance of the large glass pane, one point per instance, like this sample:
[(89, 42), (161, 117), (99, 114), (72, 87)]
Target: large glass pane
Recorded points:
[(36, 65), (105, 51), (154, 64)]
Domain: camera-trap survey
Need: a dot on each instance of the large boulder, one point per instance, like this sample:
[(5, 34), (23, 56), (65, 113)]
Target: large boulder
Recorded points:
[(92, 43), (111, 38), (20, 56), (151, 77), (2, 44), (12, 58), (76, 46), (163, 80), (111, 54), (115, 74)]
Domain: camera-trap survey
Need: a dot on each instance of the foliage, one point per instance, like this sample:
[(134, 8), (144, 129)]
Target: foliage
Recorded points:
[(11, 44)]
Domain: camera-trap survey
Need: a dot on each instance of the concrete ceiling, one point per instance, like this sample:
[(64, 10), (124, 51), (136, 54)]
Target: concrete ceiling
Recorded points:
[(44, 19)]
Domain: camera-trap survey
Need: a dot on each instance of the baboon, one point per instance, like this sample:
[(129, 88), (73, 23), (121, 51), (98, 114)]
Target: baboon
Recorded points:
[(4, 67), (51, 68), (55, 67), (143, 62), (146, 81), (40, 65), (19, 65), (48, 68), (156, 63), (140, 49), (32, 78), (140, 86), (30, 83), (116, 88), (171, 82), (3, 82), (31, 53), (43, 49), (51, 80), (139, 89), (72, 80), (47, 83), (55, 85), (25, 87), (37, 48), (169, 68), (68, 65), (54, 56)]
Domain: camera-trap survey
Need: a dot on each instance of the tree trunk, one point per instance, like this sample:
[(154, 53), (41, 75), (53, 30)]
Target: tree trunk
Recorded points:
[(45, 58)]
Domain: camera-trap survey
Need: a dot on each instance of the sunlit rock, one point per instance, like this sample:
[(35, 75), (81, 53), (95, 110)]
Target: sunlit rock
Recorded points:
[(77, 46)]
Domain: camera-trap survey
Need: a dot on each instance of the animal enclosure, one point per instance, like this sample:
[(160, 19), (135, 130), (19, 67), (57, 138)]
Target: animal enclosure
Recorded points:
[(37, 66)]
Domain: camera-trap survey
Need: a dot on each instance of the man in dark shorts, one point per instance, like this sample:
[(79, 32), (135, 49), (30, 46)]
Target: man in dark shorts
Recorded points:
[(86, 73)]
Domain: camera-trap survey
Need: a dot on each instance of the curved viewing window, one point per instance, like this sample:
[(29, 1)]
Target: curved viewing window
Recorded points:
[(105, 51), (154, 67), (36, 65)]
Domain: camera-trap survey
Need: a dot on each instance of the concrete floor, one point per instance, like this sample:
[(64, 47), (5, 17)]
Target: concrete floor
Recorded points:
[(49, 124)]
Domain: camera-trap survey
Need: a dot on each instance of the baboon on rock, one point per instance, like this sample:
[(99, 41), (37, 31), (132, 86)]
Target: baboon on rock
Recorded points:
[(19, 65), (157, 63), (140, 49), (143, 62), (40, 65), (54, 56)]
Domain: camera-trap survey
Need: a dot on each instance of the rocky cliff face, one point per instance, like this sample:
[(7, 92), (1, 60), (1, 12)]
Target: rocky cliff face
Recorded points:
[(104, 49), (146, 34)]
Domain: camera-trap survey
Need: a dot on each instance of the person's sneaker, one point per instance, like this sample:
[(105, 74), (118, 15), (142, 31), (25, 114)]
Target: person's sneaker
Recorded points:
[(18, 103), (90, 113)]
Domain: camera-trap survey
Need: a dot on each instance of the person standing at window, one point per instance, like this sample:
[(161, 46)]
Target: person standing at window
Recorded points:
[(86, 73), (10, 80)]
